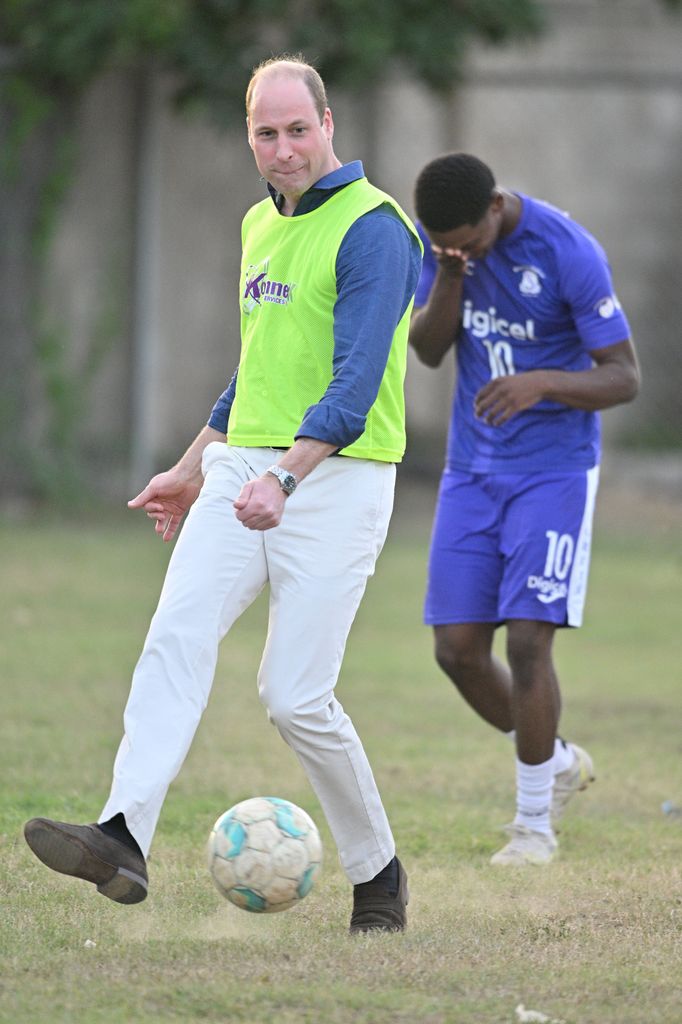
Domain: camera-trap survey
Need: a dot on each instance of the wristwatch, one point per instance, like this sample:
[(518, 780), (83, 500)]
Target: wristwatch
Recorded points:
[(287, 480)]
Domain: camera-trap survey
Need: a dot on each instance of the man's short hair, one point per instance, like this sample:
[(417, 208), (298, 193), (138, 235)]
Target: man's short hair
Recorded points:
[(453, 190), (296, 66)]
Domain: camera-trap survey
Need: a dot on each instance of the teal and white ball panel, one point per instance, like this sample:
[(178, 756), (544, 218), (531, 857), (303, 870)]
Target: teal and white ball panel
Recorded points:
[(264, 854), (229, 836)]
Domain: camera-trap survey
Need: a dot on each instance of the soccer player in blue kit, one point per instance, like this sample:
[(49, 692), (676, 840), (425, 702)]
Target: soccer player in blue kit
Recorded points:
[(524, 294)]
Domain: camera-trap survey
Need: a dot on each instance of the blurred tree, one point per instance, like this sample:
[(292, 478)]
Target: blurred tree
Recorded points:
[(51, 51)]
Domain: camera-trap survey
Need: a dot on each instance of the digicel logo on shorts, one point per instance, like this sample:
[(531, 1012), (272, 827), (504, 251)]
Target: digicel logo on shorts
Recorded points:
[(484, 322), (549, 590)]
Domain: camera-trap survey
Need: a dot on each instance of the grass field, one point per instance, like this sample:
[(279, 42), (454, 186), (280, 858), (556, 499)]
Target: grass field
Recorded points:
[(594, 938)]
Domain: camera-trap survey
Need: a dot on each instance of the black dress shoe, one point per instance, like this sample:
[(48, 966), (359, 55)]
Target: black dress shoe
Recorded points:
[(375, 908), (86, 852)]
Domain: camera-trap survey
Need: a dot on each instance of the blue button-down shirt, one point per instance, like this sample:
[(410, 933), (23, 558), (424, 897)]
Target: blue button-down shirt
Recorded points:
[(377, 269)]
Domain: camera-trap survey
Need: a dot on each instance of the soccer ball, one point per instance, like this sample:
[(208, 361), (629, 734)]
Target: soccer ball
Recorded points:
[(264, 854)]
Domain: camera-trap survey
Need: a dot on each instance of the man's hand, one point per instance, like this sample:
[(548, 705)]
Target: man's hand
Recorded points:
[(453, 261), (502, 398), (165, 499), (260, 504), (169, 495)]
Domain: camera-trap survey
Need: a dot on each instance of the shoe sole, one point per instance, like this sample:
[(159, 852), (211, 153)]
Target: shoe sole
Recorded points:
[(526, 862), (69, 855)]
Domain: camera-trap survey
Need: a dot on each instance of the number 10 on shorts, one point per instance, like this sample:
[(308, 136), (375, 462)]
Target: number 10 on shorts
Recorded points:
[(560, 549)]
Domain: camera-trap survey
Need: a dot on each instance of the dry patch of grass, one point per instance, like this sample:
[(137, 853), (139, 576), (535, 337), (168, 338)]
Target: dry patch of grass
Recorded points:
[(595, 938)]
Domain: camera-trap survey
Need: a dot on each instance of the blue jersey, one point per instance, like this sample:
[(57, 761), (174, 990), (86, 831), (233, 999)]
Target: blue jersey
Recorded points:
[(542, 298)]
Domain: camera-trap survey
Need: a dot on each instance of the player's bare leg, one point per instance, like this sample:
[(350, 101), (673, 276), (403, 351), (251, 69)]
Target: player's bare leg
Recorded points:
[(528, 712), (536, 700), (536, 704), (464, 652)]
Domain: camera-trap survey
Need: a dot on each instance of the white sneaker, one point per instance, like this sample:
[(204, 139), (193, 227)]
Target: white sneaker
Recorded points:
[(525, 847), (571, 781)]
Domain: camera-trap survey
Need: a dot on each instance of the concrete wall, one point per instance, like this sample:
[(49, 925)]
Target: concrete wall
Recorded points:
[(146, 259), (89, 281), (591, 119)]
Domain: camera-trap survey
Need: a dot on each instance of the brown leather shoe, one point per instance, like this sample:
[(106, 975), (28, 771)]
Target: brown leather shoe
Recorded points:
[(86, 852), (375, 909)]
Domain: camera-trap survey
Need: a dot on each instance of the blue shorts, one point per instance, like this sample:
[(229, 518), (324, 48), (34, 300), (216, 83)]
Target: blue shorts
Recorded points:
[(511, 546)]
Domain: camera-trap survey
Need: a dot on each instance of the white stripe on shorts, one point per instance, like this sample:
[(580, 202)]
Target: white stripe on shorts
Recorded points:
[(577, 587)]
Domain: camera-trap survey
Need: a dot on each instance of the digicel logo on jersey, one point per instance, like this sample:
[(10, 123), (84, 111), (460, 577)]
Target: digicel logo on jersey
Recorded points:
[(484, 322)]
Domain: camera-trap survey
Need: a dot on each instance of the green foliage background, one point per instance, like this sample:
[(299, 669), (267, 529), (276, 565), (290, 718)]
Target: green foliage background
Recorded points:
[(56, 49), (49, 55), (51, 52)]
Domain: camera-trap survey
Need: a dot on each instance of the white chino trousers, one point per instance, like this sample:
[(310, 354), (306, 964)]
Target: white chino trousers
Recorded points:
[(317, 562)]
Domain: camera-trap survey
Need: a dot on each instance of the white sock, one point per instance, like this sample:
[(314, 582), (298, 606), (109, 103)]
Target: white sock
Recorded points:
[(534, 783), (563, 756)]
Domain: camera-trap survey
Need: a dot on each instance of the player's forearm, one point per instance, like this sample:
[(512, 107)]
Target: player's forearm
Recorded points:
[(433, 328), (304, 455), (591, 390)]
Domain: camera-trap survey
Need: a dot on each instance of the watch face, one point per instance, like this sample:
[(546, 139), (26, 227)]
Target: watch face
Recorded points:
[(287, 481)]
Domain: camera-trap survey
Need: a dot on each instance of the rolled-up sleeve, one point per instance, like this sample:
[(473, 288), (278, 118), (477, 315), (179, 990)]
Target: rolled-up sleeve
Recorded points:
[(220, 413)]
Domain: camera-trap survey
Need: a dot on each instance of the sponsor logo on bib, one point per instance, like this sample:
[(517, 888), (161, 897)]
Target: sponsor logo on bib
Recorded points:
[(260, 288)]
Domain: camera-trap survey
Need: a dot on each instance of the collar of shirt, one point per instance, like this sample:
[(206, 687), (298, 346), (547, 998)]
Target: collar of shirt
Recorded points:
[(323, 189)]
